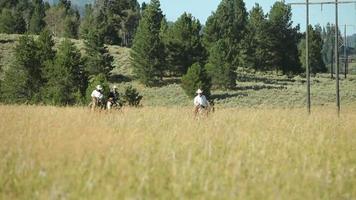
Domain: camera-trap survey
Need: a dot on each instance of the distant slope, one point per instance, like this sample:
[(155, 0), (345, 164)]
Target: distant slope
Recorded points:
[(121, 55), (80, 3)]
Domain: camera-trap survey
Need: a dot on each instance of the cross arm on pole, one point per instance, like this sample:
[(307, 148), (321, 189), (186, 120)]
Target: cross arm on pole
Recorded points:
[(321, 2)]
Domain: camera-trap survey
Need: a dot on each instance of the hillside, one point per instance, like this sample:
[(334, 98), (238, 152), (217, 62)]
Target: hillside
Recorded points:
[(256, 90), (120, 54)]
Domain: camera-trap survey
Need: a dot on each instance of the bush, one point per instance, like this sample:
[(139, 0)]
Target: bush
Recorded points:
[(132, 97), (195, 78)]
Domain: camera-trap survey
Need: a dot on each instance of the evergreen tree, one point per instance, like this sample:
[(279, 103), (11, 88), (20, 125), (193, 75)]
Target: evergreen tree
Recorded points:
[(71, 25), (226, 27), (22, 81), (116, 21), (63, 20), (54, 20), (98, 59), (20, 23), (257, 40), (6, 21), (86, 25), (183, 43), (328, 50), (37, 22), (285, 39), (45, 44), (148, 50), (196, 78), (45, 51), (11, 21), (66, 81), (315, 47), (221, 73), (131, 96)]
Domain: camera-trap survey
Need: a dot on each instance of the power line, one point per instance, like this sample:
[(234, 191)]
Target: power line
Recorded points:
[(321, 2), (336, 3)]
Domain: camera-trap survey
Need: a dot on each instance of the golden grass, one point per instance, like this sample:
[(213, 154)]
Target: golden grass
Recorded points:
[(162, 153)]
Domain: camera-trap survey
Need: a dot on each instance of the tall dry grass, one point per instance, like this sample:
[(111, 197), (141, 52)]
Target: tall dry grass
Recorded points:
[(163, 153)]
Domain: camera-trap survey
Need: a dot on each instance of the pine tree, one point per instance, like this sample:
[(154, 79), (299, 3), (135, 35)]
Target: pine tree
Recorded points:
[(6, 21), (132, 97), (45, 44), (221, 73), (63, 20), (11, 21), (226, 27), (98, 59), (37, 22), (284, 38), (148, 50), (20, 23), (196, 78), (316, 62), (71, 25), (183, 43), (86, 25), (22, 81), (65, 76), (116, 21), (257, 40), (45, 53)]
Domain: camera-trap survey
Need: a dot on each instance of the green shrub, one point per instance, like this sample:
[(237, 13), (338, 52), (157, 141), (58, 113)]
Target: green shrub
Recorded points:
[(195, 78), (131, 97)]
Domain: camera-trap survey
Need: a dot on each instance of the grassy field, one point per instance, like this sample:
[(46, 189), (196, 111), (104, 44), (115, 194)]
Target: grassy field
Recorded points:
[(163, 153)]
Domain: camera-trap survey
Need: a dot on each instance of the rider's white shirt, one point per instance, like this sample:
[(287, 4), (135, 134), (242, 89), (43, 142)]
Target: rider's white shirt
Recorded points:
[(96, 94), (200, 100)]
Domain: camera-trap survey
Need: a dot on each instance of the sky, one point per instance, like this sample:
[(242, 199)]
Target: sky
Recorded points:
[(202, 9)]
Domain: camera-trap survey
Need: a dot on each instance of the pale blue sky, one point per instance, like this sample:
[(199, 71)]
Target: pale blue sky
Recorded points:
[(202, 9)]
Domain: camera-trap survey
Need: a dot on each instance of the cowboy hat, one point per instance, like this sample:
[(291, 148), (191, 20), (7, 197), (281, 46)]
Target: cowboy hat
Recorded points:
[(199, 91), (99, 87)]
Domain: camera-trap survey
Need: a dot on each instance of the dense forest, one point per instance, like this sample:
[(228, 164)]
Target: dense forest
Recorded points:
[(202, 55)]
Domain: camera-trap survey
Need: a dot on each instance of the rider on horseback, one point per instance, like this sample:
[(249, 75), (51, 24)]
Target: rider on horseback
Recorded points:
[(200, 102), (113, 99), (97, 97)]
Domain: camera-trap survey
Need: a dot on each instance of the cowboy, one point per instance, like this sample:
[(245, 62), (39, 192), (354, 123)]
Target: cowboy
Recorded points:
[(200, 102), (113, 98), (96, 96)]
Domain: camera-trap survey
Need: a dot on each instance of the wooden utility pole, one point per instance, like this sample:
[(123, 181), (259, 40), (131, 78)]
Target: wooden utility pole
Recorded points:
[(337, 56), (307, 57), (345, 53), (336, 2)]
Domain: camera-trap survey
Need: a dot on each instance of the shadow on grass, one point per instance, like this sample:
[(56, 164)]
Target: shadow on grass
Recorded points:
[(119, 78), (265, 80), (259, 87), (4, 41), (216, 97), (168, 81)]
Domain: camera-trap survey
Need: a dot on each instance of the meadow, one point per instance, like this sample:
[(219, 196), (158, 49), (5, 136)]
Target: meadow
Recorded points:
[(164, 153)]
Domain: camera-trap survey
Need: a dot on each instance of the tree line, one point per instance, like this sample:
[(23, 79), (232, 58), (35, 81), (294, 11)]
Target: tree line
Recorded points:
[(115, 21), (203, 56), (209, 56), (41, 74)]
